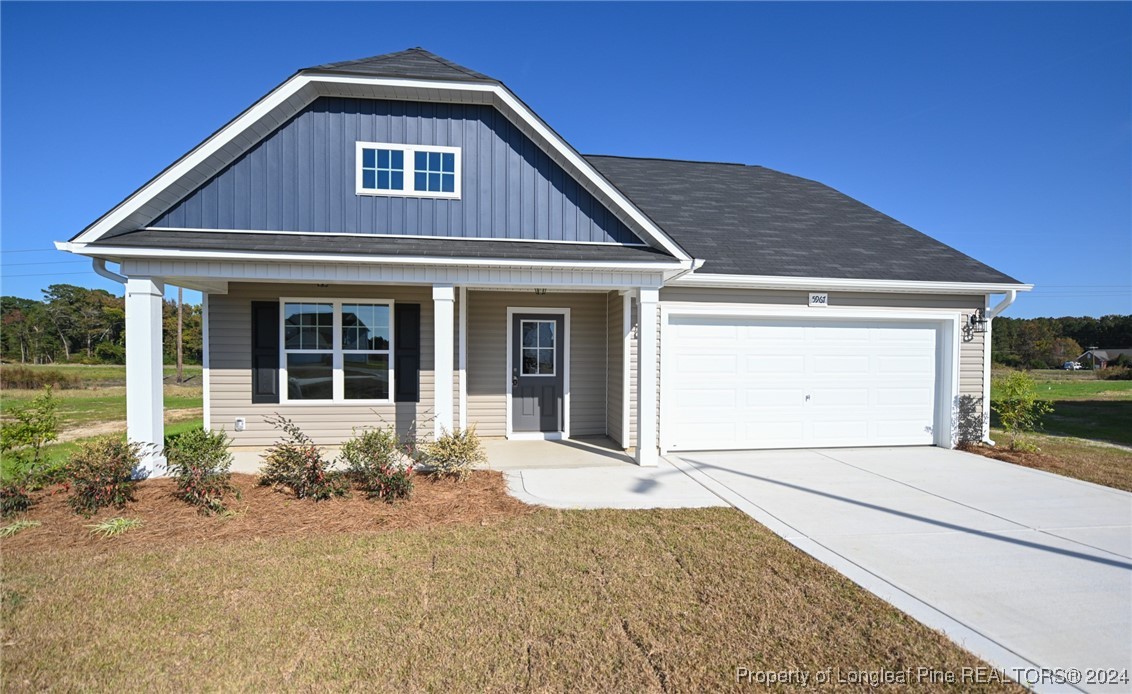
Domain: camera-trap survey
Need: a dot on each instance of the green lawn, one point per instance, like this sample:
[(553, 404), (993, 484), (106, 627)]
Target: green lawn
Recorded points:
[(642, 601), (88, 412), (1084, 406), (93, 405)]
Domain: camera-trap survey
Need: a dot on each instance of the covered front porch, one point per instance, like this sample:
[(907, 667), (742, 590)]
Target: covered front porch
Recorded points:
[(519, 354)]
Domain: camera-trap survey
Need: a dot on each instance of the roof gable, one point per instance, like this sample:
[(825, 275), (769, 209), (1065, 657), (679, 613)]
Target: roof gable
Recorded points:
[(301, 178), (421, 78)]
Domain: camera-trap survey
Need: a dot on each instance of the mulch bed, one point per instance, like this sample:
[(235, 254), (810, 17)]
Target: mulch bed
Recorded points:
[(1032, 459), (266, 512)]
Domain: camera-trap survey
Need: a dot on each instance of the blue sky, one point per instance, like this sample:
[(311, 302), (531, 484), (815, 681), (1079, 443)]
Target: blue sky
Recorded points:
[(1004, 130)]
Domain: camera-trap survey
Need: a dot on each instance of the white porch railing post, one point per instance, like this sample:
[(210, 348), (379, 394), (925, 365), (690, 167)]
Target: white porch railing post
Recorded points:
[(145, 410), (443, 297), (646, 377)]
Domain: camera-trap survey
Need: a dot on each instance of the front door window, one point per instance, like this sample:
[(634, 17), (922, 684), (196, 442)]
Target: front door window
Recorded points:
[(539, 347)]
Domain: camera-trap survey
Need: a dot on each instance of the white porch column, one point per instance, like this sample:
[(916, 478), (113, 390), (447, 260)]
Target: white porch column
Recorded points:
[(145, 406), (646, 377), (443, 297)]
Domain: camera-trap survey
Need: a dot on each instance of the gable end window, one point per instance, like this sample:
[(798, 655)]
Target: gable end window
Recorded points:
[(416, 171)]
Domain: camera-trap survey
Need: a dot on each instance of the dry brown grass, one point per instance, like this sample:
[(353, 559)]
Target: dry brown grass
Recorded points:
[(490, 595), (1080, 459)]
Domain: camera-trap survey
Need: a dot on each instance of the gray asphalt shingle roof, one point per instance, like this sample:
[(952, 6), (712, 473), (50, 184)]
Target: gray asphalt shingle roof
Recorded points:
[(413, 63), (750, 220)]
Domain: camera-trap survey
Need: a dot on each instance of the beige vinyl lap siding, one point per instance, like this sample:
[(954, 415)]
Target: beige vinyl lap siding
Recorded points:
[(229, 321), (970, 350), (488, 383)]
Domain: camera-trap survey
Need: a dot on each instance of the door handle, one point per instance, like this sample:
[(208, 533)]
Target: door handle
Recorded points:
[(514, 378)]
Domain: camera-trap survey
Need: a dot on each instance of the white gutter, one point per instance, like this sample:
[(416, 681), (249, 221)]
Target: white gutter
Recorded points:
[(178, 254), (1011, 295), (689, 266), (840, 284), (99, 265)]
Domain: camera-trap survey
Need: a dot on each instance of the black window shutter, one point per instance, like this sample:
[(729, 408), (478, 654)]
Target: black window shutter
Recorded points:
[(265, 351), (407, 352)]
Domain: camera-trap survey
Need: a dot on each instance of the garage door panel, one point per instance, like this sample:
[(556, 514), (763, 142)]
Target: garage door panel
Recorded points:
[(838, 363), (773, 397), (707, 363), (743, 383), (774, 364), (901, 396), (710, 398), (838, 397)]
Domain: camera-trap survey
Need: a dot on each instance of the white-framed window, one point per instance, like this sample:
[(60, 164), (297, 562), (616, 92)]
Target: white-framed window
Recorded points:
[(336, 350), (539, 347), (421, 171)]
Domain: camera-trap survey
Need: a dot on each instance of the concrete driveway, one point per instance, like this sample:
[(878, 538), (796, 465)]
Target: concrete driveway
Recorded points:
[(1026, 569)]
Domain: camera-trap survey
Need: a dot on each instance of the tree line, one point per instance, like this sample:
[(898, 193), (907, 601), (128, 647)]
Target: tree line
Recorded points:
[(1047, 343), (77, 324)]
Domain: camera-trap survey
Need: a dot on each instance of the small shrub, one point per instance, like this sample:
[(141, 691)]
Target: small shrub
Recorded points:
[(23, 439), (1114, 373), (13, 528), (200, 464), (114, 526), (454, 454), (297, 464), (14, 499), (110, 353), (375, 462), (100, 474), (1019, 409), (23, 378)]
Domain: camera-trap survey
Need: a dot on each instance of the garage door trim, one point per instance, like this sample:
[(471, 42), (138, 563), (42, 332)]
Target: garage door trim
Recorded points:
[(947, 369)]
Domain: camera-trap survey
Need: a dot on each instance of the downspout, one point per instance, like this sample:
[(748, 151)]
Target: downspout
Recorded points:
[(991, 313), (99, 266)]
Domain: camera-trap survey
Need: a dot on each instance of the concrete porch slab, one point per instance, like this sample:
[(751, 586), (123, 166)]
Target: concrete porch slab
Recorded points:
[(591, 451), (619, 487)]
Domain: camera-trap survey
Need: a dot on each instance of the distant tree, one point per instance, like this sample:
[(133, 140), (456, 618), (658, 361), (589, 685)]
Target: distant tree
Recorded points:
[(1063, 349), (74, 322)]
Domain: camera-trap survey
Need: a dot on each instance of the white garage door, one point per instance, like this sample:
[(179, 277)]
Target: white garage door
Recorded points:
[(733, 383)]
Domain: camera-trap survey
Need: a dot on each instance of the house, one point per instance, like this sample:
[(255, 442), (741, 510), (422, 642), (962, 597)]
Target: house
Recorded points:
[(1102, 358), (400, 238)]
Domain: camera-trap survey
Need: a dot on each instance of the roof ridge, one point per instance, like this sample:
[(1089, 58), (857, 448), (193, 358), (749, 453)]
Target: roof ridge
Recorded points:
[(685, 161)]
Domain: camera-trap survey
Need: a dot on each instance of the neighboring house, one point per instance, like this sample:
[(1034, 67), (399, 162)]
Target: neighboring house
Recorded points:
[(1101, 358), (401, 239)]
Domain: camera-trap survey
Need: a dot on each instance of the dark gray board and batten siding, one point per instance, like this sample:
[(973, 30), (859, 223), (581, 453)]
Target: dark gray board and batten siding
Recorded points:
[(302, 178)]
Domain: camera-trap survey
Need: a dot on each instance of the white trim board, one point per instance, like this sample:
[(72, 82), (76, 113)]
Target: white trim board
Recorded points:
[(947, 349), (288, 98), (206, 362), (694, 279), (565, 432), (352, 234), (462, 307), (196, 254)]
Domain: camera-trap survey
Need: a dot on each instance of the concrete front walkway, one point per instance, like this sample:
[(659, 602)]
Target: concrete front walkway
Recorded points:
[(1024, 568), (591, 473)]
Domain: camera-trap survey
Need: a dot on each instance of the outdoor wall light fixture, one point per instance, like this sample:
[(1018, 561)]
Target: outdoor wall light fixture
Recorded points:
[(976, 323)]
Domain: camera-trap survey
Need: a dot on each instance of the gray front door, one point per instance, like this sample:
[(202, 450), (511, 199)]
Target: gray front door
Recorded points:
[(537, 365)]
